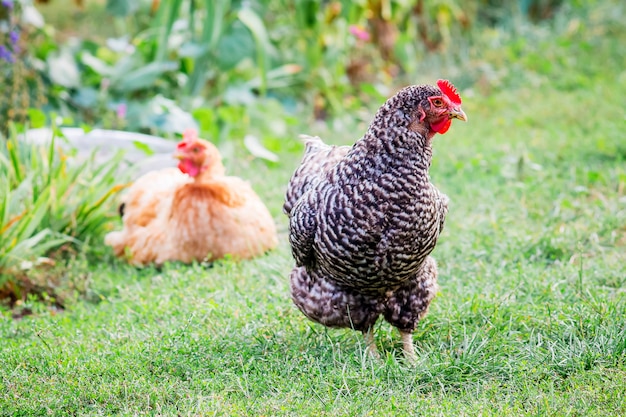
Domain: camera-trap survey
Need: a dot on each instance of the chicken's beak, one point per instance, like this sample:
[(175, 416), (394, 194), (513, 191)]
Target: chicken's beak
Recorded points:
[(457, 113), (179, 155)]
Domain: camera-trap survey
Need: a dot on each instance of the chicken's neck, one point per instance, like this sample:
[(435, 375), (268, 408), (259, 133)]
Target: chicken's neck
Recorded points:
[(215, 170), (403, 151)]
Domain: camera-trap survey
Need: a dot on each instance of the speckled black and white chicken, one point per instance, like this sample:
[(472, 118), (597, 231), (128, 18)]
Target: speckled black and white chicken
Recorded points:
[(363, 219)]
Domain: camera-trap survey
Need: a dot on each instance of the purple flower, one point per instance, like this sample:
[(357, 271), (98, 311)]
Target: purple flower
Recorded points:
[(14, 36), (359, 32), (5, 54), (121, 110), (7, 4)]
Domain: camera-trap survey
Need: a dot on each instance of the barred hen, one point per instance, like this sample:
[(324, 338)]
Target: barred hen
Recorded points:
[(364, 219), (192, 213)]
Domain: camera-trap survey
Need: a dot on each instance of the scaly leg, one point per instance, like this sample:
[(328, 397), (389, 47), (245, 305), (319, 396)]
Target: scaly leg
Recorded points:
[(370, 343), (409, 303), (407, 346)]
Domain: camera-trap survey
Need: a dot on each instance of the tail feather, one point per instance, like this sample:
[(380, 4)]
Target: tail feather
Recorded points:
[(318, 158), (311, 140), (312, 144), (308, 138)]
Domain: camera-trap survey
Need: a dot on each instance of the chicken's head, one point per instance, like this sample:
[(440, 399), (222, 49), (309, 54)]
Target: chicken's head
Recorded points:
[(432, 109), (197, 156)]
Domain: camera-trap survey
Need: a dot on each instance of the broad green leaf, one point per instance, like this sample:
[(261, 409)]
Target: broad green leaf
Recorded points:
[(145, 76), (121, 8), (234, 45), (192, 50), (254, 23)]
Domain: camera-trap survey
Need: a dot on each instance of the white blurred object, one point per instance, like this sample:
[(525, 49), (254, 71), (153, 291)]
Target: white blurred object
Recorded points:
[(256, 148), (31, 16), (109, 142)]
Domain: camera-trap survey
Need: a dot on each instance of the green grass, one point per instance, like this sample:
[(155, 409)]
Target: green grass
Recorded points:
[(530, 319)]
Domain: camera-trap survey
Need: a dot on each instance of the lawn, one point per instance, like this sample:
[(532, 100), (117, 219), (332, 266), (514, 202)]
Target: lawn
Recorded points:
[(530, 318)]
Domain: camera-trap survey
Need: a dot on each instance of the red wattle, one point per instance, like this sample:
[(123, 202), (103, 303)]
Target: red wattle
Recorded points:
[(187, 167), (442, 126)]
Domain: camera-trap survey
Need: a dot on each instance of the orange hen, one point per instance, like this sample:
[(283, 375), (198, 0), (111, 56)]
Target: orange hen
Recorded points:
[(192, 213)]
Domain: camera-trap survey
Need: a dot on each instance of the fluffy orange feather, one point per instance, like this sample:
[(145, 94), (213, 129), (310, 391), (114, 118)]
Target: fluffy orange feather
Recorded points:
[(194, 212)]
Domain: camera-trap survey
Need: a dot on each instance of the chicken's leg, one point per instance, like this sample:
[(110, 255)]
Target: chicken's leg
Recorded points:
[(409, 303), (407, 346), (370, 343)]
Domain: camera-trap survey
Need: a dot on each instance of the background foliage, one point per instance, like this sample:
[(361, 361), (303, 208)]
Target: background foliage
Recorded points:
[(152, 64)]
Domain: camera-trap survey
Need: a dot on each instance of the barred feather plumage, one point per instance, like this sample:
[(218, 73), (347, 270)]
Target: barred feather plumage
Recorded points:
[(363, 220)]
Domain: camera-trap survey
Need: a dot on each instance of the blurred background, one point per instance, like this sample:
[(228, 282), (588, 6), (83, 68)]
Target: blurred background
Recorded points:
[(159, 66)]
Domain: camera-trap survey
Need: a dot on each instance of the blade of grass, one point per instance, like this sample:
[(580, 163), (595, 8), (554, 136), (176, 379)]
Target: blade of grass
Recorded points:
[(13, 150)]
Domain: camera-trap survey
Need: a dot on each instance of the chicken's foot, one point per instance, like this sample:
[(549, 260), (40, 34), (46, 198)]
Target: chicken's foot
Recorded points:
[(407, 346)]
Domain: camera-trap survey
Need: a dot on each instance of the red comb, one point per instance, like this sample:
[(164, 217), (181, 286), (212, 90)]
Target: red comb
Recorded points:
[(189, 135), (448, 89)]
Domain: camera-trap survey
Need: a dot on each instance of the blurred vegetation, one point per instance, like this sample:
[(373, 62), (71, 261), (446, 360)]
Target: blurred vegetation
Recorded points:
[(149, 65), (53, 205), (21, 82)]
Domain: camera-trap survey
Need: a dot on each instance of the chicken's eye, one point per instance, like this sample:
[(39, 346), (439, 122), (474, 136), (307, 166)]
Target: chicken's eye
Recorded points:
[(437, 102), (195, 149)]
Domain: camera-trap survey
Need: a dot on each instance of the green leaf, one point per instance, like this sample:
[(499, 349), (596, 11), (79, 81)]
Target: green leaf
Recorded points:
[(96, 64), (206, 118), (263, 46), (211, 32), (143, 147), (37, 118), (192, 50), (145, 76), (121, 8), (46, 202), (235, 45), (254, 23), (13, 150), (86, 97), (166, 17)]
